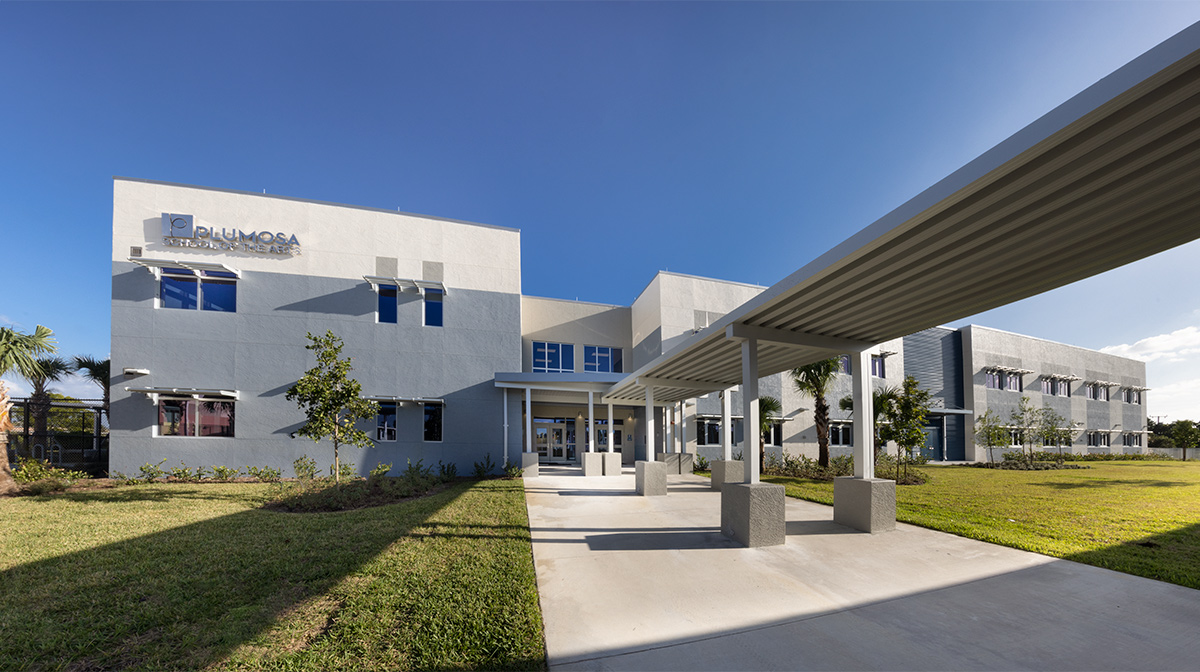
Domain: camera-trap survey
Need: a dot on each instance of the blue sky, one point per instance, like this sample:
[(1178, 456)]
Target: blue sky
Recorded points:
[(732, 140)]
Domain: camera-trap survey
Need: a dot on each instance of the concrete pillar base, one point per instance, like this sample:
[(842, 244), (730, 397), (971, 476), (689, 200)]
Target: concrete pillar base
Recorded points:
[(651, 478), (867, 504), (669, 459), (753, 514), (727, 471), (687, 463), (529, 463), (612, 464), (593, 464)]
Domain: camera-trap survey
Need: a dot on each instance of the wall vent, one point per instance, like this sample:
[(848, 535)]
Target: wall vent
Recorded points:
[(135, 251)]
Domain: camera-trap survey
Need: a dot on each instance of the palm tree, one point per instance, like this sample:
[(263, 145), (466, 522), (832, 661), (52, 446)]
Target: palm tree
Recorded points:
[(18, 353), (882, 400), (96, 371), (814, 380), (768, 408), (50, 370)]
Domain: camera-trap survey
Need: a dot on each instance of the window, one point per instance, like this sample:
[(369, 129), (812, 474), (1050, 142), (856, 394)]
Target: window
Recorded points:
[(433, 422), (1098, 439), (195, 417), (1013, 382), (553, 357), (841, 435), (774, 434), (601, 359), (1096, 391), (385, 422), (387, 304), (206, 290), (1132, 440), (991, 380), (1131, 396), (877, 368), (1014, 438), (844, 364), (708, 432), (433, 308), (1058, 387)]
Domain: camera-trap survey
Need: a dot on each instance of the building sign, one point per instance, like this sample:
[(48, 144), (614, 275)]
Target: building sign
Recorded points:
[(182, 231)]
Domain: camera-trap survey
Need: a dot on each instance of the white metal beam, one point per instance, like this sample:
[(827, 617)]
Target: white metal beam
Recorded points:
[(795, 338)]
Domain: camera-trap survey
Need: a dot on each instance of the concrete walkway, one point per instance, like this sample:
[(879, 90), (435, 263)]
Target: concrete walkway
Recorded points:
[(649, 583)]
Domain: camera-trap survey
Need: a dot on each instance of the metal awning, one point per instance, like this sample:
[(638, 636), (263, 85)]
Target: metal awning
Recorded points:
[(405, 283), (1105, 383), (400, 400), (156, 265), (204, 394), (1108, 177), (1008, 369), (1061, 376)]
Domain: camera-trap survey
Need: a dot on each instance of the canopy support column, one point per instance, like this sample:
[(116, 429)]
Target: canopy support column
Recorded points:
[(864, 416), (750, 436), (591, 432), (727, 424)]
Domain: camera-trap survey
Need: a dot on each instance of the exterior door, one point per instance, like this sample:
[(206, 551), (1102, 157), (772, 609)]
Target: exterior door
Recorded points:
[(933, 442), (558, 443)]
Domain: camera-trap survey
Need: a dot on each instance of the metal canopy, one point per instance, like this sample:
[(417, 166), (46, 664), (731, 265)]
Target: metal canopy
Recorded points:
[(1108, 177)]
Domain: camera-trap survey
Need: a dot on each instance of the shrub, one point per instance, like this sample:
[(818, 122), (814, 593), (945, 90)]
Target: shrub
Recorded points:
[(224, 473), (305, 468), (380, 471), (513, 470), (123, 478), (701, 463), (182, 473), (1046, 456), (887, 466), (30, 470), (344, 470), (265, 474), (485, 468), (418, 477), (1026, 465), (152, 472), (448, 472), (805, 467)]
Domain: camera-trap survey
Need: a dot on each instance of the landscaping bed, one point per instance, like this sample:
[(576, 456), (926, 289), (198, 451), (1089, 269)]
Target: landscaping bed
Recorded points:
[(188, 576)]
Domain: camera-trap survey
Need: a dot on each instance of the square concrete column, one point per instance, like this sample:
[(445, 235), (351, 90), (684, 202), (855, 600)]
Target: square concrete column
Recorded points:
[(753, 514), (867, 504), (750, 437), (727, 425), (864, 415), (529, 464), (651, 478), (727, 471), (528, 421), (611, 428), (649, 424), (591, 432), (682, 428), (612, 464), (593, 464), (671, 460)]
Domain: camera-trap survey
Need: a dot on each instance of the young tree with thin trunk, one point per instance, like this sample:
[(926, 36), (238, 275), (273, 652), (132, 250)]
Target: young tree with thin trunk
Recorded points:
[(991, 433), (907, 417), (815, 380), (1053, 429), (331, 400), (1024, 421), (882, 399)]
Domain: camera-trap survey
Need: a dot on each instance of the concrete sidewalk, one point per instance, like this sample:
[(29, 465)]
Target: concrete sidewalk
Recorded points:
[(649, 583)]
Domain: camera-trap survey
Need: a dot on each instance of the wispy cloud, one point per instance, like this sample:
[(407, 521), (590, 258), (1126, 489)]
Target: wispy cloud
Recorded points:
[(16, 388), (1175, 346)]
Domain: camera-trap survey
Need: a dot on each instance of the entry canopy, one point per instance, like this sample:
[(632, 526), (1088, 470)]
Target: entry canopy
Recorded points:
[(1108, 177)]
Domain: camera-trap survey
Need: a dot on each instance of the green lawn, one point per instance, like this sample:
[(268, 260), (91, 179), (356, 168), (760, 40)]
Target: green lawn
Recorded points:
[(196, 576), (1137, 517)]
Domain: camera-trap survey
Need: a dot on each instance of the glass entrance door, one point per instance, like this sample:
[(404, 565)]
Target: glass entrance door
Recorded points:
[(558, 442)]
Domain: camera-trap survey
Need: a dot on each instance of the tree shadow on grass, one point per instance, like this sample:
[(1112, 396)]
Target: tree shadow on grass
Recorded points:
[(1110, 482), (1170, 556), (186, 597)]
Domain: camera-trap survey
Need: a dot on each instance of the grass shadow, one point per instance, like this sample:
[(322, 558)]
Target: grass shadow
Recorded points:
[(1172, 556), (1112, 482), (188, 596)]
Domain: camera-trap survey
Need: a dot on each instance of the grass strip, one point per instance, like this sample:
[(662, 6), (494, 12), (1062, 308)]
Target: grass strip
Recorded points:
[(1135, 517), (177, 576)]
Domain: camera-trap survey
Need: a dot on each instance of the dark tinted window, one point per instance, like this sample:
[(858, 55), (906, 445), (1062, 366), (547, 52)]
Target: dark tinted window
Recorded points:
[(433, 307), (387, 305), (179, 293), (220, 295), (433, 422)]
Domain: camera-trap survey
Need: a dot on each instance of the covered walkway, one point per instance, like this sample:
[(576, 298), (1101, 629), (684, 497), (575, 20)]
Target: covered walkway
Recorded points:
[(649, 583)]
